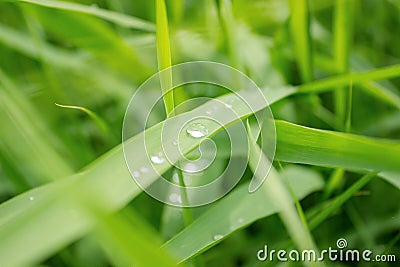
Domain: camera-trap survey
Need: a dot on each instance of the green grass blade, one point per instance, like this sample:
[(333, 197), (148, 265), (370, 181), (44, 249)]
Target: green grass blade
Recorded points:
[(164, 62), (335, 180), (74, 63), (178, 10), (164, 56), (41, 211), (280, 195), (299, 208), (26, 136), (340, 200), (378, 90), (117, 18), (22, 43), (93, 35), (229, 27), (382, 93), (129, 241), (222, 220), (99, 121), (299, 26), (356, 78), (342, 33), (333, 149), (391, 177)]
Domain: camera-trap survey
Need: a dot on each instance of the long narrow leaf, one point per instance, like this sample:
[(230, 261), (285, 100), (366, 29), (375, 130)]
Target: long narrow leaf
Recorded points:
[(326, 148), (278, 194), (299, 26), (118, 18), (164, 56)]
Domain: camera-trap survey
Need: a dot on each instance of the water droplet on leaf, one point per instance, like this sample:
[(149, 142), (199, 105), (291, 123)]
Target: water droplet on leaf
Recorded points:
[(190, 167), (144, 169), (175, 198), (197, 130), (217, 237), (157, 158)]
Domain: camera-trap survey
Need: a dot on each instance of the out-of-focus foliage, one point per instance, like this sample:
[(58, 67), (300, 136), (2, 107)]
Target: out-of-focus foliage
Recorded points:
[(328, 68)]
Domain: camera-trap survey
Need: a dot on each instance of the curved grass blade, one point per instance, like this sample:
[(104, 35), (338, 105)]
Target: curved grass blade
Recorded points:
[(99, 121), (278, 193), (117, 18)]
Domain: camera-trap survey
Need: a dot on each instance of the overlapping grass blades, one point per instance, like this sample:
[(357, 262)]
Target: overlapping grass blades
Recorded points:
[(93, 184), (95, 63)]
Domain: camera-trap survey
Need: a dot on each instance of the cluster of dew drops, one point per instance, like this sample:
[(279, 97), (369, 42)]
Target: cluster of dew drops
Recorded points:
[(195, 130)]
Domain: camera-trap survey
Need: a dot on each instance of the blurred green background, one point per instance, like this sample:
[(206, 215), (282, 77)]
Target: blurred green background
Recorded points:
[(67, 197)]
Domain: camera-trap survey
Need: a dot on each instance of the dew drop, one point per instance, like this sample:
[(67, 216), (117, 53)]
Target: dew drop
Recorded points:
[(240, 220), (217, 237), (197, 130), (175, 178), (175, 198), (144, 169), (157, 158), (175, 142), (31, 198), (208, 112), (228, 105), (136, 174), (190, 167), (188, 180)]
